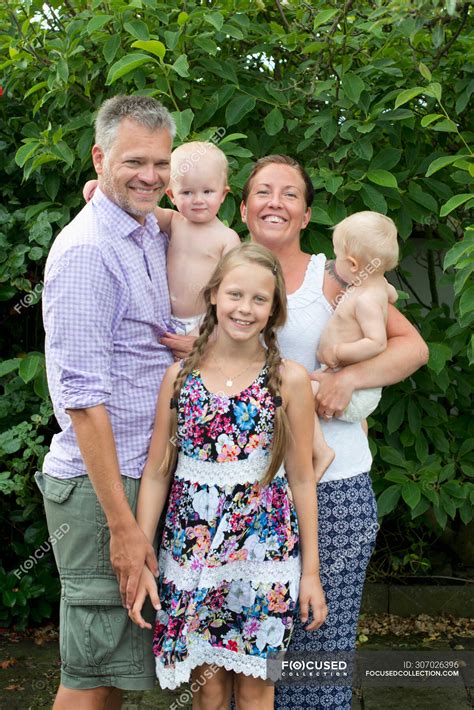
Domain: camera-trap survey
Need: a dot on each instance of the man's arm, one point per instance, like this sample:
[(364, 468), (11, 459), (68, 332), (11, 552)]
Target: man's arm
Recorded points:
[(129, 547), (406, 352), (80, 305)]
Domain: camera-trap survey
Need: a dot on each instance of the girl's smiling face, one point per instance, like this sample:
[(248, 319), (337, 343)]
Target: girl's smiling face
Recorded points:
[(276, 210), (244, 301)]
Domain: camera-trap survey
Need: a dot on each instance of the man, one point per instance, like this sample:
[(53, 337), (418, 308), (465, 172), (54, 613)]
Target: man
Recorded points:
[(105, 306)]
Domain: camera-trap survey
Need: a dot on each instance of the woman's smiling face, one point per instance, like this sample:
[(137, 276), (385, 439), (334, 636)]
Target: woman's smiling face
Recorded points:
[(276, 210)]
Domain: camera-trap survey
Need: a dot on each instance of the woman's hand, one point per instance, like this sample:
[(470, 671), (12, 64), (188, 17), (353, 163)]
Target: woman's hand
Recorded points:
[(146, 586), (180, 345), (312, 595), (335, 392)]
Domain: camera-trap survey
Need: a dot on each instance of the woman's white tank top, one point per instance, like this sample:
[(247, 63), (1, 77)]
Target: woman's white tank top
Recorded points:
[(308, 313)]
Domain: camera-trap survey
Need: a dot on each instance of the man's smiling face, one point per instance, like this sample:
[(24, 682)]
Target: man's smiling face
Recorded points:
[(135, 172)]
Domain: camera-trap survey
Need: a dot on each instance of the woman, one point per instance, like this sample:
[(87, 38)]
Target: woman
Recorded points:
[(276, 208)]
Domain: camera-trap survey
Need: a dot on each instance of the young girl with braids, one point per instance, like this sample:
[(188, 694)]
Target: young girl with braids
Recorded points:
[(238, 549)]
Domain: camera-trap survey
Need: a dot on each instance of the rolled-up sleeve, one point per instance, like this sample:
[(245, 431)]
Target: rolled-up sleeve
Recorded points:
[(80, 300)]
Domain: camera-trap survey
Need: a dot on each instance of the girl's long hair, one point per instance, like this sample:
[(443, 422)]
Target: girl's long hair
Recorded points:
[(243, 254)]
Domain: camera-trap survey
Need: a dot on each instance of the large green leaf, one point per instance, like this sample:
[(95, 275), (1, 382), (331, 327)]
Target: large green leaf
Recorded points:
[(239, 107), (393, 456), (396, 415), (138, 29), (466, 302), (110, 48), (125, 65), (388, 499), (97, 22), (29, 366), (353, 86), (411, 494), (459, 249), (440, 353), (454, 203), (409, 94), (273, 122), (386, 159), (183, 120), (8, 366), (153, 46), (323, 17), (373, 199), (25, 152), (181, 66), (382, 177), (215, 19), (430, 118), (442, 162)]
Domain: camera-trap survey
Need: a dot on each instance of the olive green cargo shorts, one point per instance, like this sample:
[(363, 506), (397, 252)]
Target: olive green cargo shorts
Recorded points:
[(99, 645)]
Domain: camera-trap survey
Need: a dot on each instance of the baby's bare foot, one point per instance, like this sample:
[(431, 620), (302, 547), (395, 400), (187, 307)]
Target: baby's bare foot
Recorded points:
[(322, 461)]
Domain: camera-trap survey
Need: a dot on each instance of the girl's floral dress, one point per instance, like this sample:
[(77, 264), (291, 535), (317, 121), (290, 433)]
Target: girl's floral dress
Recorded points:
[(229, 559)]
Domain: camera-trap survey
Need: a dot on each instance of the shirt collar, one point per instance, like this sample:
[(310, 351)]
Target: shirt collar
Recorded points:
[(124, 225)]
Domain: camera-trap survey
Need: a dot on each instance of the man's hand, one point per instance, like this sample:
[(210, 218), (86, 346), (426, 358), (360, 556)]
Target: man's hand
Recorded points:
[(180, 345), (334, 394), (129, 552)]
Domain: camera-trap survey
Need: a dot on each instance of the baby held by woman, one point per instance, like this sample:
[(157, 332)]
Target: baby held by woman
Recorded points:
[(365, 247)]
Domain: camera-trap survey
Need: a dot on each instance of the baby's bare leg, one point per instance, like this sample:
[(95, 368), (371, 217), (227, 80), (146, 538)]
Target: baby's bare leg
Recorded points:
[(323, 455)]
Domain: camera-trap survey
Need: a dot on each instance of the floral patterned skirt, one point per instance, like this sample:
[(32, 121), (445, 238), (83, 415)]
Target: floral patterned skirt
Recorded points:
[(229, 570)]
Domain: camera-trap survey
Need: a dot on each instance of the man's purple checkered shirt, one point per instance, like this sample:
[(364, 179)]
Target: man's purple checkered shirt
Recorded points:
[(105, 306)]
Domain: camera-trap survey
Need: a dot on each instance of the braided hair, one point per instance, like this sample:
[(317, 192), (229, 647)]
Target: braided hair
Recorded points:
[(248, 253)]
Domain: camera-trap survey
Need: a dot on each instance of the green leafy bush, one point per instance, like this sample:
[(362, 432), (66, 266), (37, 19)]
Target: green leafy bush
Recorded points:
[(372, 97)]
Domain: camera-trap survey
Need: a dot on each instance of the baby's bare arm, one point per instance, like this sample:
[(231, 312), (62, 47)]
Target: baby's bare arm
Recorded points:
[(370, 315), (165, 219)]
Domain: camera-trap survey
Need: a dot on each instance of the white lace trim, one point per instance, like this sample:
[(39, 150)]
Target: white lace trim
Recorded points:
[(227, 473), (261, 572), (200, 653), (311, 289)]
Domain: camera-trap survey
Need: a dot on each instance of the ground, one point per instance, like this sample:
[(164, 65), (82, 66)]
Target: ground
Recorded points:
[(29, 667)]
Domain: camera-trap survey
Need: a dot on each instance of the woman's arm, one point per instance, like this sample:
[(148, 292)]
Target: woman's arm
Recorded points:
[(406, 352), (298, 395)]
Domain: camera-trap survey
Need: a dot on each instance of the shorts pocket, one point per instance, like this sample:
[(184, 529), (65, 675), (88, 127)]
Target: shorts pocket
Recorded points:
[(56, 490), (97, 637), (57, 497)]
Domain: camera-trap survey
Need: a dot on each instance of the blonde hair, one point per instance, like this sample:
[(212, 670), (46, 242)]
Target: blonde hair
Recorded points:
[(368, 237), (244, 254), (188, 154)]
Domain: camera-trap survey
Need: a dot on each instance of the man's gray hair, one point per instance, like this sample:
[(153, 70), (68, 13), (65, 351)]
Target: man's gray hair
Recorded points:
[(144, 110)]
